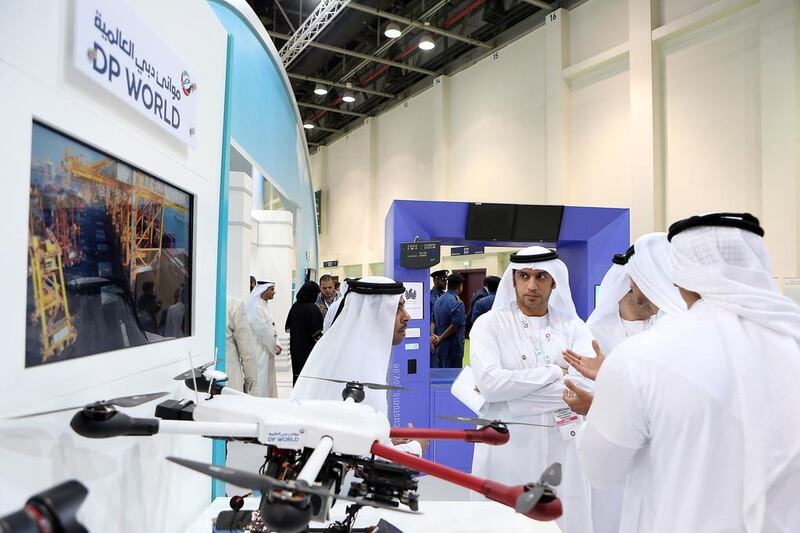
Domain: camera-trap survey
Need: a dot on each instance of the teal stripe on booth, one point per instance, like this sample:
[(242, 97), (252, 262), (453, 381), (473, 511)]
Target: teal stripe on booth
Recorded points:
[(218, 449)]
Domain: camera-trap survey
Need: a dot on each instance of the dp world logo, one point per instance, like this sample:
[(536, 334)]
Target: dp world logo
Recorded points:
[(186, 83)]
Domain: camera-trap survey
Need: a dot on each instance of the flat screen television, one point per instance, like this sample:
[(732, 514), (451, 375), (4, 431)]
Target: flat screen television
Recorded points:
[(534, 223), (109, 253), (490, 222)]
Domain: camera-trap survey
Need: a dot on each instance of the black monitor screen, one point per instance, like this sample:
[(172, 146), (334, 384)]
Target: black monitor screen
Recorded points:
[(490, 222), (537, 223), (109, 253)]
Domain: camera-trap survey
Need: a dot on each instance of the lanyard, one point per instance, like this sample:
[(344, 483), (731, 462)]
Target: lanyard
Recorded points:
[(540, 342)]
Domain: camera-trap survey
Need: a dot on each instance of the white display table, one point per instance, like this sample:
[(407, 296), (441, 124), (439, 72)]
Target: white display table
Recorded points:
[(439, 516)]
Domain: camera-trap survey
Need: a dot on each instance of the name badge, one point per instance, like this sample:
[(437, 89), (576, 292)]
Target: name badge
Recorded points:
[(566, 422)]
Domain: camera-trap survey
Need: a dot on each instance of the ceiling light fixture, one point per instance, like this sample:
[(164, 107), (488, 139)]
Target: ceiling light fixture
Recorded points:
[(308, 125), (426, 42), (392, 30), (348, 95), (320, 89)]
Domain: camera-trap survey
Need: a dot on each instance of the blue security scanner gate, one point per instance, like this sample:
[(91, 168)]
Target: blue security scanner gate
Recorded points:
[(587, 240)]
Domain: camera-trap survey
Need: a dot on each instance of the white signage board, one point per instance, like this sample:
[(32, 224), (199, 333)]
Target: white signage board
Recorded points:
[(116, 50), (415, 300)]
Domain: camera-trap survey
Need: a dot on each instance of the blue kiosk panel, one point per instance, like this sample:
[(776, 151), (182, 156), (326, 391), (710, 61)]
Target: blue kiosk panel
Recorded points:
[(588, 238)]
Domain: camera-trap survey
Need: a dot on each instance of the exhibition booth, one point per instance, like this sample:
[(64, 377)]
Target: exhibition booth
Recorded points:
[(157, 169), (136, 146), (585, 238)]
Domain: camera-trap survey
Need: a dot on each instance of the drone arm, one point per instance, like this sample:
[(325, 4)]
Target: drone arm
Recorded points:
[(209, 429), (120, 424), (485, 435), (117, 425), (316, 460), (507, 495)]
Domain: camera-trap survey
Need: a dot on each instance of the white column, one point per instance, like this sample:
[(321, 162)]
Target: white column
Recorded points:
[(779, 132), (272, 259), (240, 201), (647, 213), (558, 101)]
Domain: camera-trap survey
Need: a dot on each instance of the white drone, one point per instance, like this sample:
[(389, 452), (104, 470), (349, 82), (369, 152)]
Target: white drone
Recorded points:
[(311, 446)]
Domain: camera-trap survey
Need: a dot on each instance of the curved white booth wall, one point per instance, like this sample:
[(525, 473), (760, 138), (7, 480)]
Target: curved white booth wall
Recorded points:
[(132, 488), (272, 258)]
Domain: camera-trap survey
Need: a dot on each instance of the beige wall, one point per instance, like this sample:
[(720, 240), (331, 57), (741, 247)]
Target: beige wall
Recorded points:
[(695, 112)]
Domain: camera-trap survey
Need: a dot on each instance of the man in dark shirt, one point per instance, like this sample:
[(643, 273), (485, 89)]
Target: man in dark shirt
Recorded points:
[(438, 286), (476, 297), (450, 318), (485, 303)]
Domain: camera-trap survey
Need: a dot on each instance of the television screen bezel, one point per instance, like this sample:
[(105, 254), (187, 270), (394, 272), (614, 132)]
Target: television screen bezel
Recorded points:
[(470, 210), (191, 248), (515, 238)]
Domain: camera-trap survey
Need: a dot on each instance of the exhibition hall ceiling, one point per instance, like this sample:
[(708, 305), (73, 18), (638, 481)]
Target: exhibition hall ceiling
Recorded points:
[(365, 72)]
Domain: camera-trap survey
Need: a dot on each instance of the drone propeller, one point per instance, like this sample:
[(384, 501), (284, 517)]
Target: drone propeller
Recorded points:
[(194, 373), (367, 385), (123, 401), (487, 422), (528, 499), (552, 476), (249, 480)]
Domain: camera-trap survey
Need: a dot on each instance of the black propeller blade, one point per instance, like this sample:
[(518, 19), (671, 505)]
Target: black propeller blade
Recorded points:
[(487, 422), (194, 373), (122, 401), (528, 499), (241, 478), (366, 385)]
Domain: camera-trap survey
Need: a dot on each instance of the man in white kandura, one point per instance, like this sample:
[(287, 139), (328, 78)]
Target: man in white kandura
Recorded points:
[(633, 299), (358, 346), (516, 358), (262, 326), (635, 295), (699, 412), (240, 348)]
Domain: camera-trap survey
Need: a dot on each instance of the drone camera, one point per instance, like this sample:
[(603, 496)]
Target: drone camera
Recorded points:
[(387, 483), (51, 510)]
